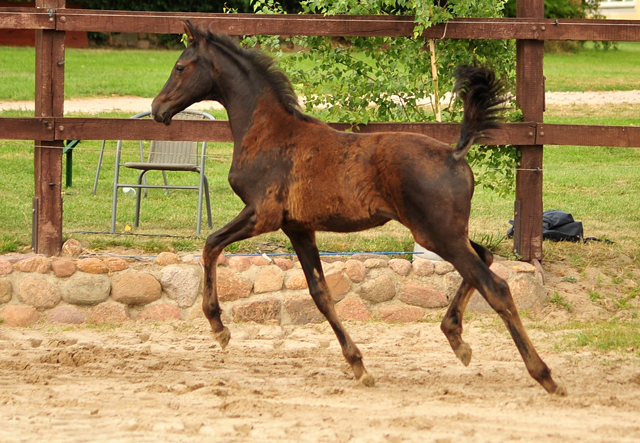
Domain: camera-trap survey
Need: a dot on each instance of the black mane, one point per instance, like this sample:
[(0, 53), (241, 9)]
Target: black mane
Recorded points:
[(266, 66)]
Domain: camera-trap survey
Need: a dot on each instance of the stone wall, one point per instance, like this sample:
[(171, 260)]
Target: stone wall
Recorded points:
[(257, 288)]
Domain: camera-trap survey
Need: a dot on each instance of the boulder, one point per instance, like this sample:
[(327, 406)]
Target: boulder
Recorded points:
[(109, 312), (399, 313), (86, 289), (182, 284), (338, 284), (353, 309), (239, 264), (231, 286), (135, 288), (378, 290), (261, 311), (63, 268), (355, 270), (66, 314), (71, 248), (400, 266), (18, 316), (5, 267), (39, 293), (302, 310), (167, 258), (269, 279), (423, 267), (297, 282), (6, 290), (161, 312), (37, 263), (92, 265), (423, 295)]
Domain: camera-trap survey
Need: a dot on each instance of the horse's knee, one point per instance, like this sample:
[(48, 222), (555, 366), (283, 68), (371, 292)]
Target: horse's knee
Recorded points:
[(211, 309), (210, 248), (502, 287)]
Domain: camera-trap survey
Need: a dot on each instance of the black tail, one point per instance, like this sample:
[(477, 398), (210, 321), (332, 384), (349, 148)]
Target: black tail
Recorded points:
[(482, 94)]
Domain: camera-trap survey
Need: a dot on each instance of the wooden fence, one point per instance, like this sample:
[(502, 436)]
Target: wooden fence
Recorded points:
[(51, 20)]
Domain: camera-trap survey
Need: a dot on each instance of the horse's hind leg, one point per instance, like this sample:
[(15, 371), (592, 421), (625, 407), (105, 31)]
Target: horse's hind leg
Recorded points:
[(451, 324), (305, 246), (496, 291), (240, 228)]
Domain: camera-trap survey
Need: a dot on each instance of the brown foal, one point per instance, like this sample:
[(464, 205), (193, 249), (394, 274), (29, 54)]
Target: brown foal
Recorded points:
[(295, 173)]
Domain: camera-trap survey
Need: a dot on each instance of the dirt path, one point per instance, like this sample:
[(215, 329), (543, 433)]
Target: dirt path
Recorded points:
[(170, 383), (138, 104)]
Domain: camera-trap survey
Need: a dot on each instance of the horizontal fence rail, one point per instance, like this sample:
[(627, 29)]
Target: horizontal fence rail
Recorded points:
[(523, 134), (64, 19)]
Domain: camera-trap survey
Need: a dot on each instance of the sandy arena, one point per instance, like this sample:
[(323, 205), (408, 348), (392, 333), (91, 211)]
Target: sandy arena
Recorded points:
[(171, 383)]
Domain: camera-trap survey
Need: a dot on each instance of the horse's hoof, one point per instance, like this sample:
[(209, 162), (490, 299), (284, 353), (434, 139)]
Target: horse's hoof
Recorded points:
[(561, 391), (223, 337), (367, 380), (464, 354)]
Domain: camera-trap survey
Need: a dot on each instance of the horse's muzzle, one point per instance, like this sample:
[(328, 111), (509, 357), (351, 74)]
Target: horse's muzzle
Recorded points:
[(160, 115)]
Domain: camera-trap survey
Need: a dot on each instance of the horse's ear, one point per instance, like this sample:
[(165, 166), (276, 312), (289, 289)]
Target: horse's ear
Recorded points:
[(190, 30)]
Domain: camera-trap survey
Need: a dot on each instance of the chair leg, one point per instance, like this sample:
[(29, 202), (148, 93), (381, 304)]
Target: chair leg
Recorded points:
[(166, 183), (114, 208), (206, 195), (199, 217), (95, 180), (116, 177), (139, 198)]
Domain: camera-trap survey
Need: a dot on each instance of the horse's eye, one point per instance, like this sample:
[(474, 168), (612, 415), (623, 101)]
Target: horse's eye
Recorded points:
[(179, 68)]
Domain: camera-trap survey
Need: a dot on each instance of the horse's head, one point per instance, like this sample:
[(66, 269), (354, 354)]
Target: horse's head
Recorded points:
[(190, 79)]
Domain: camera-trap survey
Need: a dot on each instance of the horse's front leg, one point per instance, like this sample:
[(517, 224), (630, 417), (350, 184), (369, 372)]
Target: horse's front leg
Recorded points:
[(304, 244), (240, 228)]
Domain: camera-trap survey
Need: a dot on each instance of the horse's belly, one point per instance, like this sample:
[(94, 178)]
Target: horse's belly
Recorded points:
[(338, 224), (339, 216)]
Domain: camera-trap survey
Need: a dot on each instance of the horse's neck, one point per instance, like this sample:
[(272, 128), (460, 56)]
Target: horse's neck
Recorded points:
[(240, 98), (246, 100)]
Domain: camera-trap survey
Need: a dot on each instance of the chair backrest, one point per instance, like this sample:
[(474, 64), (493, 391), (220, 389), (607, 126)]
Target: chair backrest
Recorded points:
[(176, 152)]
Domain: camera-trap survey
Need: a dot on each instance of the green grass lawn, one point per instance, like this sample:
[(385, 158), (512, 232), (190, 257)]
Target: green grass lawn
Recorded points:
[(105, 72), (594, 69), (90, 72), (598, 185)]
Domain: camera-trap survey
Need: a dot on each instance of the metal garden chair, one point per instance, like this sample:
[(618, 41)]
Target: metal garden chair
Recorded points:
[(164, 156)]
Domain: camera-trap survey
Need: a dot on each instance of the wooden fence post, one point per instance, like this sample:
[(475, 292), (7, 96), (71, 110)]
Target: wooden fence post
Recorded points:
[(530, 97), (47, 202)]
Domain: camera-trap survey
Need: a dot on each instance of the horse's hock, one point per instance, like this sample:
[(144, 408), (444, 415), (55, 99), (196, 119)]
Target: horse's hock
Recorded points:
[(251, 289)]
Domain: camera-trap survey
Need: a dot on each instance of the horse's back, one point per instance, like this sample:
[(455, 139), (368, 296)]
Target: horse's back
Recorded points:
[(345, 181)]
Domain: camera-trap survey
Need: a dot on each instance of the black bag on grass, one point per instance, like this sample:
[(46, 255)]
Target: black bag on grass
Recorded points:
[(558, 226)]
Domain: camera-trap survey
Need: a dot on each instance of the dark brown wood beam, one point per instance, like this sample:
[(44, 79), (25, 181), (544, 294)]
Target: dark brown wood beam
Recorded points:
[(526, 28), (27, 128), (349, 25), (588, 135), (49, 102), (219, 130), (530, 98), (26, 18), (525, 134)]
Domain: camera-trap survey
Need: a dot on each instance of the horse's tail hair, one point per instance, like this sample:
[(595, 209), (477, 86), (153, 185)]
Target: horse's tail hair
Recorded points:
[(482, 94)]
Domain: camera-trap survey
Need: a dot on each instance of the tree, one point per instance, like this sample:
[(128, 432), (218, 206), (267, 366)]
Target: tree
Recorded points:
[(400, 79)]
